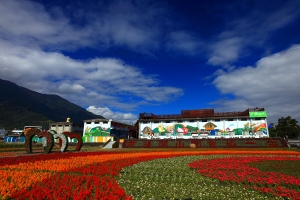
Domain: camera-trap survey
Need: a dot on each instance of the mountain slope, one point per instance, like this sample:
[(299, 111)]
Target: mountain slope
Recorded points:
[(20, 107)]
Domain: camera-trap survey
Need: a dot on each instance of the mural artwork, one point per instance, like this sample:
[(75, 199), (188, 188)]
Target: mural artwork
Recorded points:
[(224, 128), (97, 131)]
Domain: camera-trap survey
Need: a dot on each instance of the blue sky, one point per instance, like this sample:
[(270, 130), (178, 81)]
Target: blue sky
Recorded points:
[(121, 58)]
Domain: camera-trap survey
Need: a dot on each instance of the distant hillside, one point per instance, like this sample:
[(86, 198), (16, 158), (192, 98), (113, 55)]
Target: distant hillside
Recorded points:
[(21, 107)]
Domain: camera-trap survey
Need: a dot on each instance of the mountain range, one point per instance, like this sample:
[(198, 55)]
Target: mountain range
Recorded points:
[(21, 107)]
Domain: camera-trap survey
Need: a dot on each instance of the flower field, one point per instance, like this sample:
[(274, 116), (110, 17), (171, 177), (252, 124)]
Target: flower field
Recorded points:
[(152, 174)]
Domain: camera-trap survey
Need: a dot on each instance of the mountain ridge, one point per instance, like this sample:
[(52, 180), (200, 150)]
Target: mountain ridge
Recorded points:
[(21, 107)]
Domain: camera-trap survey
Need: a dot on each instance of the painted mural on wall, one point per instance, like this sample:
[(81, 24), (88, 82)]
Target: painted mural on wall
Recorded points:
[(172, 130), (97, 131), (223, 128)]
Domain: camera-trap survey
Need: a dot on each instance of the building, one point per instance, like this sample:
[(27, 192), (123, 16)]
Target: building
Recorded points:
[(68, 126), (101, 130), (205, 123)]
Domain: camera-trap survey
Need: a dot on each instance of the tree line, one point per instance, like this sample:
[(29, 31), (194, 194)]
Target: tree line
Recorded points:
[(286, 126)]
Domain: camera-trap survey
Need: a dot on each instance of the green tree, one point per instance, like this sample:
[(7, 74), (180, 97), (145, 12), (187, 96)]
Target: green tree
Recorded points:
[(272, 130), (287, 126)]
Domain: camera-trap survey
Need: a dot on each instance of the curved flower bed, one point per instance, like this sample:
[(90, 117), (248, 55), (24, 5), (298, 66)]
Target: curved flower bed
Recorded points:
[(82, 175), (239, 170)]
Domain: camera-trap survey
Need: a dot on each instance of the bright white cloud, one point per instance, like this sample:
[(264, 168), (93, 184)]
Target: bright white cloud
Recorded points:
[(99, 81), (115, 24), (127, 118), (272, 84)]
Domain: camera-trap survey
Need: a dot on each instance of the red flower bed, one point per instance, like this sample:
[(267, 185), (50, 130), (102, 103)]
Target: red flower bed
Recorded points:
[(88, 182), (52, 156), (91, 175), (238, 170)]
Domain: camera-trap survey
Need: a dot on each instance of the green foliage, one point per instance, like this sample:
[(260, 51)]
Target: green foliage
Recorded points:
[(272, 132), (286, 126)]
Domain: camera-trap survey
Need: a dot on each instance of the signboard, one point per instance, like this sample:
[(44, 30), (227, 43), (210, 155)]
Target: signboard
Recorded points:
[(258, 114)]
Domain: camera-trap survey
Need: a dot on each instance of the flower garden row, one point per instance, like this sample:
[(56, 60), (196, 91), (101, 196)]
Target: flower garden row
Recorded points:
[(96, 175), (245, 171)]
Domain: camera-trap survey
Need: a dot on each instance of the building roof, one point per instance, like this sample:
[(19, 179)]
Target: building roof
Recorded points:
[(96, 120), (198, 114)]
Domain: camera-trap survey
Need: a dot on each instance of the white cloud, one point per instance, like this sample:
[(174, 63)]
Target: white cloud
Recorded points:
[(184, 42), (272, 84), (30, 42), (139, 26), (118, 23), (70, 88), (127, 118), (251, 30), (225, 51), (34, 26), (100, 82)]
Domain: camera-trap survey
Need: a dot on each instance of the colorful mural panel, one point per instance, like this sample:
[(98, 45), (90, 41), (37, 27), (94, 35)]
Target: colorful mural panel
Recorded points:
[(211, 128), (97, 131)]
